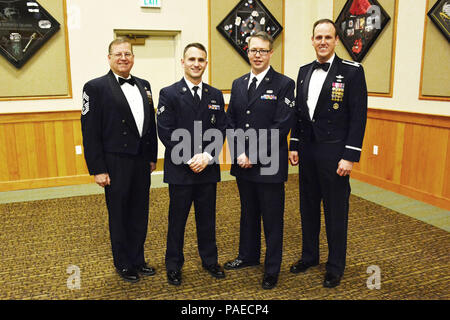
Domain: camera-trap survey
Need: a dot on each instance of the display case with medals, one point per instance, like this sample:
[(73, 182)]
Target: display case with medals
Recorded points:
[(359, 24), (24, 27), (440, 15), (247, 18)]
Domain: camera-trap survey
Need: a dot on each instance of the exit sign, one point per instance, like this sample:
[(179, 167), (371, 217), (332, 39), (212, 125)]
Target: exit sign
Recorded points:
[(150, 3)]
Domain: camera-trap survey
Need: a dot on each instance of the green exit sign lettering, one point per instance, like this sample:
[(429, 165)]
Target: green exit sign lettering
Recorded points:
[(150, 3)]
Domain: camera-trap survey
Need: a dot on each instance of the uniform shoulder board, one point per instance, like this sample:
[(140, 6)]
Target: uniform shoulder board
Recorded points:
[(352, 63)]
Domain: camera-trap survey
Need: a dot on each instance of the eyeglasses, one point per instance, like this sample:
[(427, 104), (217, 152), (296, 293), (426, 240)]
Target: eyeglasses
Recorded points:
[(119, 55), (262, 52)]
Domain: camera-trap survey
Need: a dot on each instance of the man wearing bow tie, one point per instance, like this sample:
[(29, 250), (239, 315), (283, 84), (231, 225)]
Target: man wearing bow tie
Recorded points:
[(120, 148), (261, 102), (327, 139), (193, 172)]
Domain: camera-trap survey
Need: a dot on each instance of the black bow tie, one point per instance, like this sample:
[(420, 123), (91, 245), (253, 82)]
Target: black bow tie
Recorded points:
[(324, 66), (130, 81)]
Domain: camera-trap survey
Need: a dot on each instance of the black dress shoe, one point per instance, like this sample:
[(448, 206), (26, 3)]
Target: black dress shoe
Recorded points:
[(129, 275), (331, 280), (174, 277), (301, 266), (269, 281), (215, 270), (146, 270), (238, 264)]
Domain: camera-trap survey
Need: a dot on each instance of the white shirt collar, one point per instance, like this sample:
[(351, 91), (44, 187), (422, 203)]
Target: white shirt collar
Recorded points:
[(258, 77), (191, 85)]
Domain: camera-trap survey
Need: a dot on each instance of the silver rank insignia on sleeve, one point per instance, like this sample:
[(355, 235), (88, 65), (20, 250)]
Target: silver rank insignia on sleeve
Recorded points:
[(161, 110), (85, 108)]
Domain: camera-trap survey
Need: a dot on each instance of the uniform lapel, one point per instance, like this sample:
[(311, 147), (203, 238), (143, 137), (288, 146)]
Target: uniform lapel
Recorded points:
[(325, 94), (187, 97), (244, 88), (306, 89), (262, 86), (122, 103), (205, 98), (147, 105)]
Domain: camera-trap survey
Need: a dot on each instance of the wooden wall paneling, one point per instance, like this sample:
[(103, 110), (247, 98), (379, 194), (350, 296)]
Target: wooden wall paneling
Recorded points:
[(41, 157), (414, 155), (50, 142), (4, 174), (31, 149), (424, 158), (80, 163), (446, 188), (398, 158), (60, 152), (11, 156), (380, 133), (22, 152), (69, 148)]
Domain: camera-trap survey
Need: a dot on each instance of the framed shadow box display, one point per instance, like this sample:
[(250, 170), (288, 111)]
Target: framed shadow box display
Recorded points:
[(245, 19), (24, 27), (359, 24), (440, 15)]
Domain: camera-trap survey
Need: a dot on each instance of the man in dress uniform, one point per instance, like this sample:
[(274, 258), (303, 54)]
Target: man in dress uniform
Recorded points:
[(120, 147), (261, 104), (192, 107), (326, 141)]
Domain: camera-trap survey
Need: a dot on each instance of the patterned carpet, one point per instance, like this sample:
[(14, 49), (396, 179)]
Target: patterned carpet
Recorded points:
[(39, 240)]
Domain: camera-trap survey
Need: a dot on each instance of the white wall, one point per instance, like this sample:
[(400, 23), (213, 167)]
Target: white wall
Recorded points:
[(88, 44), (93, 22)]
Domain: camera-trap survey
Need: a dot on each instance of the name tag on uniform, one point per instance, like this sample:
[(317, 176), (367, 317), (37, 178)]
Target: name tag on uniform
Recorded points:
[(268, 97), (214, 106)]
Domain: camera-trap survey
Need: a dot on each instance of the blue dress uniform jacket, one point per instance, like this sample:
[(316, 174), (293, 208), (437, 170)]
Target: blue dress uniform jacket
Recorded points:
[(335, 132), (262, 195), (341, 112), (108, 124), (270, 108), (177, 110)]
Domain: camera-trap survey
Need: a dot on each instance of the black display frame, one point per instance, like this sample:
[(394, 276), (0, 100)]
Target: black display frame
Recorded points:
[(435, 15), (241, 48), (349, 39), (19, 17)]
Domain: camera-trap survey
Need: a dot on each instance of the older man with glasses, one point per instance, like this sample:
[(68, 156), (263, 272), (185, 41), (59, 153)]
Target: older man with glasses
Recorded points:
[(120, 148)]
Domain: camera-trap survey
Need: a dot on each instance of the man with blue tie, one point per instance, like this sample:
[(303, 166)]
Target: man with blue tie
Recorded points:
[(184, 107), (120, 148), (326, 141), (261, 105)]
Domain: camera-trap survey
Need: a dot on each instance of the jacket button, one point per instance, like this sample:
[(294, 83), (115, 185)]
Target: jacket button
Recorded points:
[(247, 125), (248, 112), (125, 145), (314, 120), (123, 120), (124, 133)]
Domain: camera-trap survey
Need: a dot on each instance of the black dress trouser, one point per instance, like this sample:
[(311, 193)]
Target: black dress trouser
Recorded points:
[(127, 200), (319, 181), (264, 200), (181, 198)]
